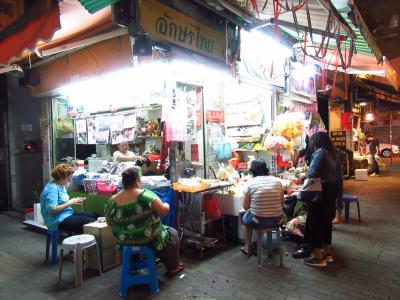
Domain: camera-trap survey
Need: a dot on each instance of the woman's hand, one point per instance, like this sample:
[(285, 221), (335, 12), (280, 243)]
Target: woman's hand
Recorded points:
[(77, 200)]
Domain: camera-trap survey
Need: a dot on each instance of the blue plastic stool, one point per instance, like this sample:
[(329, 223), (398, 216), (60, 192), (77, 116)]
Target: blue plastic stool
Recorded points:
[(142, 272), (52, 237), (347, 199)]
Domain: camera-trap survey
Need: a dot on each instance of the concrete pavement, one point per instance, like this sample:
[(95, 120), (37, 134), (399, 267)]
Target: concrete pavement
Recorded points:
[(366, 262)]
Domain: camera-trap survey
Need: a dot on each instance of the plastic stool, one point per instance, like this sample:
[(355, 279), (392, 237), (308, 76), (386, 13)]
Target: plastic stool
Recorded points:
[(142, 272), (347, 199), (77, 244), (259, 235), (52, 238)]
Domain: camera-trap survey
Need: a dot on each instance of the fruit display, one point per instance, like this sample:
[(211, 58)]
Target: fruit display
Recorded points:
[(275, 143), (289, 125)]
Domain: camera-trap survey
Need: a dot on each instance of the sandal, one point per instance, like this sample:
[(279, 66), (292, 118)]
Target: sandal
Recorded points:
[(245, 252), (179, 269)]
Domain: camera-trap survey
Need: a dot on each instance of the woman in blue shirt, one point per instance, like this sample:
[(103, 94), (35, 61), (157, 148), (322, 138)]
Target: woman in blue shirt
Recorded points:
[(56, 206)]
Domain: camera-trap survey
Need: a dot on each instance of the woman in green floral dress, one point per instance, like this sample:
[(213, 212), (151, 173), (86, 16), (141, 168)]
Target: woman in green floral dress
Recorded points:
[(134, 216)]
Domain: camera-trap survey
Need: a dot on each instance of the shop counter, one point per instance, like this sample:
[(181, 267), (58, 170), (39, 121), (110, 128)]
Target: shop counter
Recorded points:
[(97, 203)]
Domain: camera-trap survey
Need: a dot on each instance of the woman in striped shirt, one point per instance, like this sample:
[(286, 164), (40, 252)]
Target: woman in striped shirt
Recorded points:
[(262, 200)]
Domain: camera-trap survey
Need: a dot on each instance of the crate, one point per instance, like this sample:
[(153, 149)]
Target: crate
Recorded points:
[(90, 186)]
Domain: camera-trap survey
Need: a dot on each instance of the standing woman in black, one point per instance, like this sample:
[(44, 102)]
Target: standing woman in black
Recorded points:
[(318, 229)]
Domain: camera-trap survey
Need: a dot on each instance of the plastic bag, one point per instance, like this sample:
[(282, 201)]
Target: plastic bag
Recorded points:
[(223, 151), (212, 208)]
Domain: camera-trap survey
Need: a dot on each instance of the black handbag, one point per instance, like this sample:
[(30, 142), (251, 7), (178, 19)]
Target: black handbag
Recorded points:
[(311, 191)]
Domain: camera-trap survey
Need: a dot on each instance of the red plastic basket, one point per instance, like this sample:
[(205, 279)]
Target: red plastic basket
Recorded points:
[(105, 189), (154, 157)]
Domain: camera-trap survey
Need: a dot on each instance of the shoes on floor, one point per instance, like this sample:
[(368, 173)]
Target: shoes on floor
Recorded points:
[(372, 174), (311, 261), (301, 253), (329, 258)]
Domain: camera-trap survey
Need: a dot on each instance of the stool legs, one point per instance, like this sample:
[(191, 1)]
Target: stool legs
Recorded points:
[(52, 241), (48, 240), (60, 265), (346, 212), (78, 267), (98, 259), (54, 246), (278, 237), (154, 289), (259, 236), (359, 215), (126, 266), (269, 240)]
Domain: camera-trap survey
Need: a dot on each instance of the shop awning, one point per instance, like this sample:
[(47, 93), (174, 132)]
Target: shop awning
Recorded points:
[(40, 28), (75, 24), (93, 6)]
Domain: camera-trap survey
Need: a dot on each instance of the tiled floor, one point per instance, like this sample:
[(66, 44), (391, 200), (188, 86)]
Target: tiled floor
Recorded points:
[(367, 262)]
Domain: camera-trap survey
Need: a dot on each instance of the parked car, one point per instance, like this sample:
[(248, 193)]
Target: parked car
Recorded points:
[(386, 151)]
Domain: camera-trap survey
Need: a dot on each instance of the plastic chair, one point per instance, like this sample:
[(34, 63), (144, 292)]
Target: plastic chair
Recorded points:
[(347, 199), (77, 244), (259, 235), (143, 271), (52, 238)]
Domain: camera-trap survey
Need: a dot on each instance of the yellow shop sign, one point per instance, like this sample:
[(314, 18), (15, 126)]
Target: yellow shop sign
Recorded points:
[(172, 26)]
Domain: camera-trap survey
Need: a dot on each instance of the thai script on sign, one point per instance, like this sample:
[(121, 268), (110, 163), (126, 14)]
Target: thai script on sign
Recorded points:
[(191, 36)]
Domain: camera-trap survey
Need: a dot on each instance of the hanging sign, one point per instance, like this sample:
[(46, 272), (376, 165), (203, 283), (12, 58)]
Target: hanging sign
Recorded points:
[(172, 26), (357, 109), (339, 139), (347, 121)]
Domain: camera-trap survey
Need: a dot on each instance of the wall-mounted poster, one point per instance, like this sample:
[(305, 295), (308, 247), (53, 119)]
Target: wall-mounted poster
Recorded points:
[(129, 121), (91, 130), (128, 134), (81, 136), (116, 126), (103, 130)]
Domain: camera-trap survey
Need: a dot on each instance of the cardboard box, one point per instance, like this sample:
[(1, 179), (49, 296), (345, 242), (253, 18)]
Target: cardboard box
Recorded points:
[(110, 256), (361, 174)]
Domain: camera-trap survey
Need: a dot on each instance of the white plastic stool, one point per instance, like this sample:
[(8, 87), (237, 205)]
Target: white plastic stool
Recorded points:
[(78, 243)]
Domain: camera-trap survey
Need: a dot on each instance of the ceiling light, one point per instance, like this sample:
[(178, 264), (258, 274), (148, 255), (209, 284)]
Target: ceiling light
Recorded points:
[(363, 103)]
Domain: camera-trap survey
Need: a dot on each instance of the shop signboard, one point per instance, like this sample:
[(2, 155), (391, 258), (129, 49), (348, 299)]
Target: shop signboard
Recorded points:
[(261, 59), (172, 26), (357, 109), (215, 116), (346, 121), (302, 81), (339, 139)]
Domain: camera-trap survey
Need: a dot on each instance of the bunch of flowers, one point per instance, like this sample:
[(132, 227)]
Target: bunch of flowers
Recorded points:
[(289, 125), (275, 143)]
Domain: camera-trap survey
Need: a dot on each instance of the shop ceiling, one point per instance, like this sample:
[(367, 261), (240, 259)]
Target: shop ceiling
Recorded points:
[(382, 27)]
